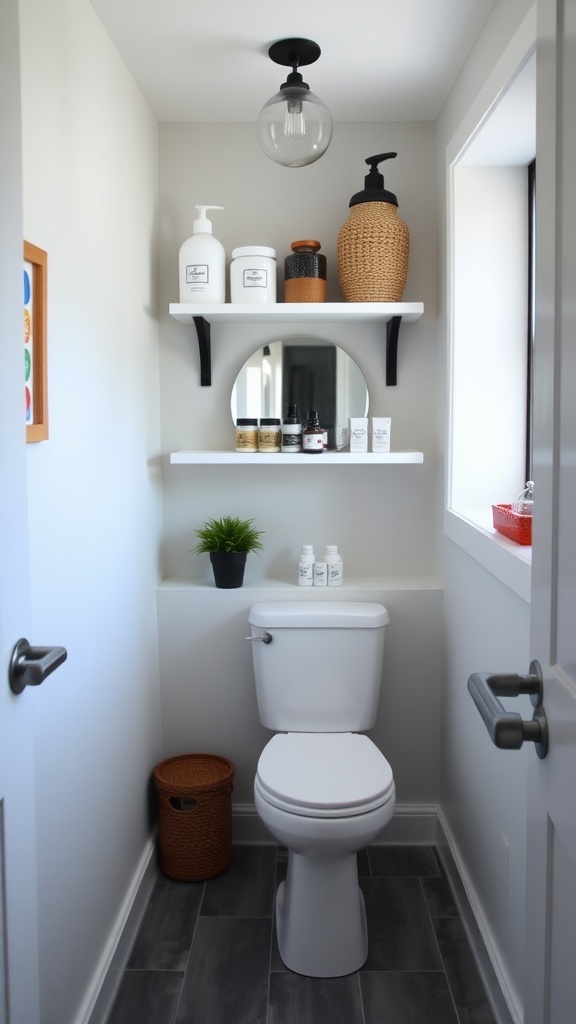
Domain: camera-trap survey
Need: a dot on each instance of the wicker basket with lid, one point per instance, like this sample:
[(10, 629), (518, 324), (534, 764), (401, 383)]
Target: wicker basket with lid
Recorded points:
[(195, 815)]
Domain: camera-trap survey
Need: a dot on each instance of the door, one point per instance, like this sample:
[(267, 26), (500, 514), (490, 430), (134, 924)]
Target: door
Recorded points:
[(18, 902), (550, 989)]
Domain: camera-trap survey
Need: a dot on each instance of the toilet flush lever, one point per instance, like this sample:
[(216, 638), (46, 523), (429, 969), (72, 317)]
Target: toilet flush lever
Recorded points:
[(265, 637)]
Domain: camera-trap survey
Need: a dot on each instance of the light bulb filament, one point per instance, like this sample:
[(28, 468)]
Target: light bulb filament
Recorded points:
[(294, 122)]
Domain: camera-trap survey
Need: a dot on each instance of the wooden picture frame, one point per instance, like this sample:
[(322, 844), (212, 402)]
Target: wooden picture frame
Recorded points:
[(35, 342)]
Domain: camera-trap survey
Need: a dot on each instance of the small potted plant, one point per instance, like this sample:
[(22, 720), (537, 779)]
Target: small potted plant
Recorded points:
[(228, 540)]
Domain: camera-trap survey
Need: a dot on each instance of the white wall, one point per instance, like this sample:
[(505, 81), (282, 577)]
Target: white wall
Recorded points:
[(486, 625), (89, 154)]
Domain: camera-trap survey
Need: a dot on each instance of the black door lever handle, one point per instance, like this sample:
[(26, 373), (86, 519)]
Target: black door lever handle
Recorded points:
[(507, 729), (29, 666)]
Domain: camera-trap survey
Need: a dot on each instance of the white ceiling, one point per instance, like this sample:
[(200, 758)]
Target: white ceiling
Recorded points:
[(206, 60)]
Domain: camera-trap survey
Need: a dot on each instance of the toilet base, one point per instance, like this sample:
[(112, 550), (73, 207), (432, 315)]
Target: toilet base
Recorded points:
[(322, 933)]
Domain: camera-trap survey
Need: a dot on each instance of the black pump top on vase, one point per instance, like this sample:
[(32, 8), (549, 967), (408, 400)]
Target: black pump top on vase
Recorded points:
[(374, 191)]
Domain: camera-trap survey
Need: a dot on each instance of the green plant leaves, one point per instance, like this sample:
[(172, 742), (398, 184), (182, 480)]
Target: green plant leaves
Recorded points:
[(229, 533)]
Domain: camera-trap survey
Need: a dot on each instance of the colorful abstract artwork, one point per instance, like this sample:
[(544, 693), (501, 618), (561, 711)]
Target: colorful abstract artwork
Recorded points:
[(35, 356)]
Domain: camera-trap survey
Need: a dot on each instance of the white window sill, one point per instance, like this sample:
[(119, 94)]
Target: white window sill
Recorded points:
[(473, 532)]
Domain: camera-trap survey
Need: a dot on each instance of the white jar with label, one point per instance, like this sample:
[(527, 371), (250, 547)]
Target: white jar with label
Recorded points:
[(253, 274)]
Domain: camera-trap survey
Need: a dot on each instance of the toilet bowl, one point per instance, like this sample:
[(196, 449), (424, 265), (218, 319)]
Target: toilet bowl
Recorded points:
[(325, 797), (322, 787)]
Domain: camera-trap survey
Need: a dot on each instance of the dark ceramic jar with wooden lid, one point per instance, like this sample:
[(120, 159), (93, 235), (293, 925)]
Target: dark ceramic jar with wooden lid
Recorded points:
[(305, 273)]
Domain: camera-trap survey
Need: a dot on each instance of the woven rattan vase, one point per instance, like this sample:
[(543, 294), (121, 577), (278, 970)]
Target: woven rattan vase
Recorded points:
[(373, 251)]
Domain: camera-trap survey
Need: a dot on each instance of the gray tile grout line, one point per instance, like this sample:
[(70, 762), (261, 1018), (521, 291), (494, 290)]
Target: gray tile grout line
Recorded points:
[(431, 919), (361, 997), (185, 971), (271, 950)]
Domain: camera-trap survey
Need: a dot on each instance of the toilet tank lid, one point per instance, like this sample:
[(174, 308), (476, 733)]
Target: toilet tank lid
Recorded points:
[(319, 614)]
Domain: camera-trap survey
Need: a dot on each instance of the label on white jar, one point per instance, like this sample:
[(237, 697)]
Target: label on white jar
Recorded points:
[(269, 439), (246, 439), (255, 278), (253, 274)]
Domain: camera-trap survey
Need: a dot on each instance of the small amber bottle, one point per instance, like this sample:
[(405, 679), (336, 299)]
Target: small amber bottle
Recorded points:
[(313, 435)]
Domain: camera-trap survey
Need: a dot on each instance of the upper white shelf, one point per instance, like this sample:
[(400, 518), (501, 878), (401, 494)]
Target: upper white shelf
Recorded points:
[(297, 312), (188, 457), (203, 315)]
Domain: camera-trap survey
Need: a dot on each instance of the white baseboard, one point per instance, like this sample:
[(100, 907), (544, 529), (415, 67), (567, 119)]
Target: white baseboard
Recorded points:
[(494, 977), (102, 990)]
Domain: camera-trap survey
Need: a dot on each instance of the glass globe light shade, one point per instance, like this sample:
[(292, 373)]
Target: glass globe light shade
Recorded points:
[(294, 127)]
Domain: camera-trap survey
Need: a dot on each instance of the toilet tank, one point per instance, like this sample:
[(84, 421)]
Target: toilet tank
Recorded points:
[(322, 670)]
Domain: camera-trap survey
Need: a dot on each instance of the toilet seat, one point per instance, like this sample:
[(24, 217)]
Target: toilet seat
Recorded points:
[(324, 775)]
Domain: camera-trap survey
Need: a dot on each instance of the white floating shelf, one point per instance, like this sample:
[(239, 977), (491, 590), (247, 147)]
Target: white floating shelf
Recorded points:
[(201, 316), (187, 457), (296, 312)]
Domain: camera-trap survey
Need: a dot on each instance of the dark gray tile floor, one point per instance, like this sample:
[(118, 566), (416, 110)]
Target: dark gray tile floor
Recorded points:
[(206, 951)]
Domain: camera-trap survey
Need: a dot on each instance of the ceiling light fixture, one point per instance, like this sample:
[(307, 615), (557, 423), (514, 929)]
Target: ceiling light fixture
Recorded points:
[(294, 127)]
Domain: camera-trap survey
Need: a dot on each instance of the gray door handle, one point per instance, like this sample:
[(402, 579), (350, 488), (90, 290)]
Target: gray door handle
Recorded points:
[(507, 729), (29, 666)]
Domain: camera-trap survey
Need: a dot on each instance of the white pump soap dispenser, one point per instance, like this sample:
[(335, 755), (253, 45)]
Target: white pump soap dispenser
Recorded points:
[(202, 263)]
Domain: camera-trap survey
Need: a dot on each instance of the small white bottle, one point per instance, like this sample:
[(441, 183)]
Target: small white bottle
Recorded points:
[(291, 432), (202, 263), (334, 566), (306, 566), (320, 574)]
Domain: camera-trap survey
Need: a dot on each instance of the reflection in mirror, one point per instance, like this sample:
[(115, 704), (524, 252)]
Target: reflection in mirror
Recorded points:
[(306, 372)]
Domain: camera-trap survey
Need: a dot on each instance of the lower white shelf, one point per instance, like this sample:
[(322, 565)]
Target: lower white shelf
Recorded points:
[(188, 457), (355, 587)]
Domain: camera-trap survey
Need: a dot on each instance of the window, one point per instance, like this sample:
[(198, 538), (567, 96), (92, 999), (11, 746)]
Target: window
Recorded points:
[(489, 241), (531, 314), (490, 364)]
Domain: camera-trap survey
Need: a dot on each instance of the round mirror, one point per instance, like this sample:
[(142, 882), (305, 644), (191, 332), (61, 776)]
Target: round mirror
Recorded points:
[(306, 372)]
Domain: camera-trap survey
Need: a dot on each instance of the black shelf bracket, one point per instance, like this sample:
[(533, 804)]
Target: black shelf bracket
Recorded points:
[(203, 332), (392, 332)]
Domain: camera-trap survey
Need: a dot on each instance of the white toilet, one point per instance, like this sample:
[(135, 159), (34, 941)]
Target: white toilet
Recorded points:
[(322, 788)]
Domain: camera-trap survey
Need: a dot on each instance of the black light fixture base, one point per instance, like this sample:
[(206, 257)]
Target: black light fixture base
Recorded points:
[(290, 52)]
